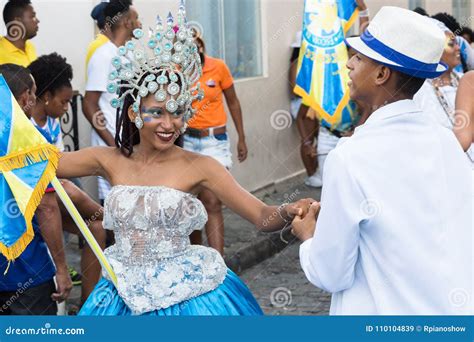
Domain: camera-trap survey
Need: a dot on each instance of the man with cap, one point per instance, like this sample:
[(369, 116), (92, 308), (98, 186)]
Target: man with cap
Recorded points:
[(393, 232)]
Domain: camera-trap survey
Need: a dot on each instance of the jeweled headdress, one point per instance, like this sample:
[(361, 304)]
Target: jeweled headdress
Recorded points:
[(168, 57)]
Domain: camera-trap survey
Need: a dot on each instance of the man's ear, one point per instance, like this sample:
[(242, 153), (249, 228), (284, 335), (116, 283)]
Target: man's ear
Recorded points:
[(23, 99), (127, 21), (383, 75)]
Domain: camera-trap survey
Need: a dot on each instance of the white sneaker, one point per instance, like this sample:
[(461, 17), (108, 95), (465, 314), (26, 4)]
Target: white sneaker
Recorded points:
[(315, 180)]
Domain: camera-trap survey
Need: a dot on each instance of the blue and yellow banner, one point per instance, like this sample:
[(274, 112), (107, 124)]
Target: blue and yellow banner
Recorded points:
[(322, 75), (27, 164)]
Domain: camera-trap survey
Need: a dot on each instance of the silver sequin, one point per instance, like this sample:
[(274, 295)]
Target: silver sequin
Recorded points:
[(155, 264)]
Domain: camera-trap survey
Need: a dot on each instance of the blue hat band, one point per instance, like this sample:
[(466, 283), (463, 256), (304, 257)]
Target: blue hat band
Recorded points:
[(404, 61)]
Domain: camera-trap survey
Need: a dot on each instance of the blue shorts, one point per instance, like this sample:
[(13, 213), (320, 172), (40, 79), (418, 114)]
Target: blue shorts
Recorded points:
[(215, 146)]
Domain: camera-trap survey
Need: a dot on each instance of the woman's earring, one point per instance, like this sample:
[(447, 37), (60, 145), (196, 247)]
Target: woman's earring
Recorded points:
[(138, 122), (182, 130), (46, 103)]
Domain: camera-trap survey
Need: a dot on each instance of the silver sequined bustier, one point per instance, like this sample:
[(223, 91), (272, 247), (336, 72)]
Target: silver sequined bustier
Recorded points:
[(155, 264)]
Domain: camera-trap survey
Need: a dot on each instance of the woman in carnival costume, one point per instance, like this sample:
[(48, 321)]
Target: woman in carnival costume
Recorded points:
[(152, 206)]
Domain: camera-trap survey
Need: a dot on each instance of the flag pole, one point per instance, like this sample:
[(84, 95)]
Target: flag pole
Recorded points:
[(84, 229)]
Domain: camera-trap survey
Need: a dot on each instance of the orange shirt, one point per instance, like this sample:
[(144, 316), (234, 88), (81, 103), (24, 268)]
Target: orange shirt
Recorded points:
[(216, 78)]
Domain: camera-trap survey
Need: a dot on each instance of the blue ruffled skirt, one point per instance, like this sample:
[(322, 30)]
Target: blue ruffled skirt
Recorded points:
[(231, 298)]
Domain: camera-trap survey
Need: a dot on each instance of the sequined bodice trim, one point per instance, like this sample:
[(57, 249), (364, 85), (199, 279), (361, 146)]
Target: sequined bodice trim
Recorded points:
[(154, 262)]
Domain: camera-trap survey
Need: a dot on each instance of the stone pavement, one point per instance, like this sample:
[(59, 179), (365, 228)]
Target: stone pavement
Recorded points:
[(246, 247), (281, 288)]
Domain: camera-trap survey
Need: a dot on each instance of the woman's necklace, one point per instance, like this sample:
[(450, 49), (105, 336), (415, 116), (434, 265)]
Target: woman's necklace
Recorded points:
[(437, 84)]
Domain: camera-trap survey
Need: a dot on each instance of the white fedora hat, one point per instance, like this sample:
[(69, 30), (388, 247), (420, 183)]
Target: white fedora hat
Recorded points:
[(404, 41)]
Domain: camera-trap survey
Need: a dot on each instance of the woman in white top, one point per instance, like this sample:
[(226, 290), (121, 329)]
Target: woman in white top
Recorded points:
[(437, 96), (464, 117)]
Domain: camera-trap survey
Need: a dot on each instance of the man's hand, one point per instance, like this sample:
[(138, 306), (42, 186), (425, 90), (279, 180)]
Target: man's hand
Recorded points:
[(63, 285), (242, 150), (304, 226)]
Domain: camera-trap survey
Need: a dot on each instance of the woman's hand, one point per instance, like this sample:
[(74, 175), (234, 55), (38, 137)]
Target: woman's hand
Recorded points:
[(304, 226), (298, 208)]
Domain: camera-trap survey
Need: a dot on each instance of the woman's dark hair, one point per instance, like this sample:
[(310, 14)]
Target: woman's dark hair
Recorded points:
[(18, 78), (421, 10), (451, 23), (51, 73), (127, 134)]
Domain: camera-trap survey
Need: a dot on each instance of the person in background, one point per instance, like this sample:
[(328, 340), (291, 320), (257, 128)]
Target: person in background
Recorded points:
[(464, 114), (123, 19), (295, 99), (437, 96), (467, 53), (467, 34), (27, 285), (22, 26), (104, 34), (207, 135), (328, 137), (307, 126), (54, 92), (421, 11)]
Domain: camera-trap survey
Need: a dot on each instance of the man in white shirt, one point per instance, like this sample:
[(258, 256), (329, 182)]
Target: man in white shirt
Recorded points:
[(122, 17), (394, 233)]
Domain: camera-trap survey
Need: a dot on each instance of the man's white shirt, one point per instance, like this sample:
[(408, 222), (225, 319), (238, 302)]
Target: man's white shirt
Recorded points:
[(98, 71), (395, 231)]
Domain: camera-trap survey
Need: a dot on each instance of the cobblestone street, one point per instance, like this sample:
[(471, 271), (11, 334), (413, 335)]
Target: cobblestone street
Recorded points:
[(281, 288)]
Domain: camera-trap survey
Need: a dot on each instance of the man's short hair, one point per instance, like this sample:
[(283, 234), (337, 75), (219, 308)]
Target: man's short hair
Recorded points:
[(98, 14), (14, 9), (447, 19), (407, 84), (114, 11), (18, 78)]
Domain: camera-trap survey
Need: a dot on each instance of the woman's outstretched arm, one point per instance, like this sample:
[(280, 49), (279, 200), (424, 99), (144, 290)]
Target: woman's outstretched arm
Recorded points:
[(85, 162), (266, 218)]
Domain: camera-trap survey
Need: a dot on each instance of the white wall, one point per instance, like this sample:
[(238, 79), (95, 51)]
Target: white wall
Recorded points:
[(67, 28)]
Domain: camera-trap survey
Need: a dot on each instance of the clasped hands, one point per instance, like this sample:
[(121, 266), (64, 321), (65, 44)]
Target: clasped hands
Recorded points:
[(305, 213)]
